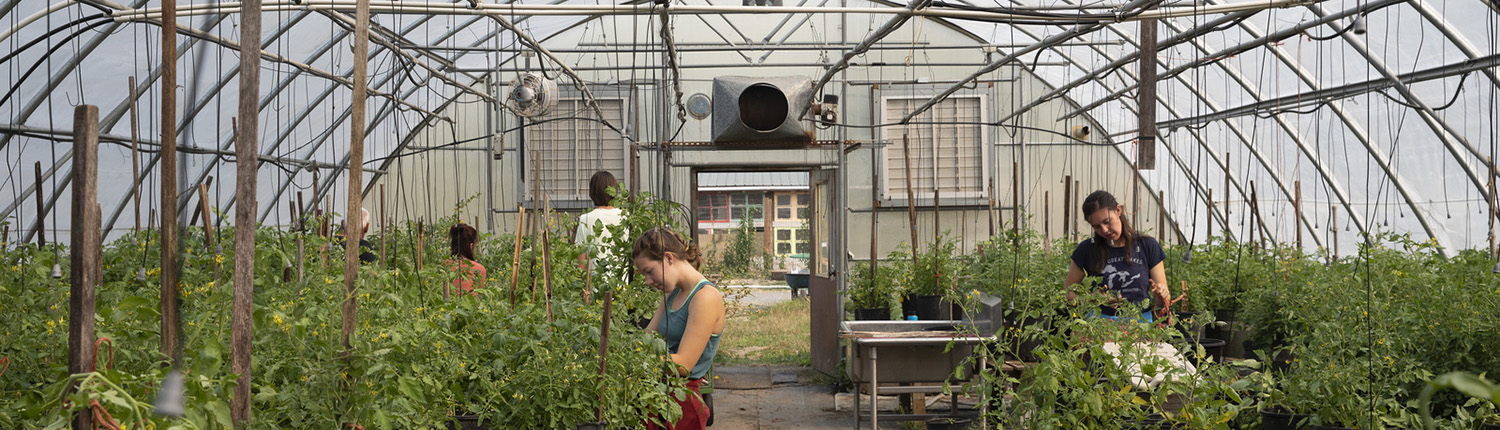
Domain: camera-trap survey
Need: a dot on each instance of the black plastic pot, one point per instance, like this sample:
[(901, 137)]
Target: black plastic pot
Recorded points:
[(1277, 420), (467, 422), (876, 314), (589, 426), (1318, 427), (1024, 348), (929, 307), (948, 424), (1213, 347), (908, 306), (1490, 427)]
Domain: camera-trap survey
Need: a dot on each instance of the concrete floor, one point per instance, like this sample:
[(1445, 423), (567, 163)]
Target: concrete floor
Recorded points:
[(778, 397)]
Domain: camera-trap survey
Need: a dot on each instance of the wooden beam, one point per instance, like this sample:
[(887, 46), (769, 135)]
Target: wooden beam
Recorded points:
[(242, 327), (86, 248), (170, 331)]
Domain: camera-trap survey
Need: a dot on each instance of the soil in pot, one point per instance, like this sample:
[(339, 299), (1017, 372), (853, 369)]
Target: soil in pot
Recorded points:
[(948, 424), (1280, 420), (929, 307), (876, 314)]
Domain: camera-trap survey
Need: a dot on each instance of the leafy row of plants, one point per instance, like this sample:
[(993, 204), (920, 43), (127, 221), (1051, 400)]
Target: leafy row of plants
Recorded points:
[(418, 358)]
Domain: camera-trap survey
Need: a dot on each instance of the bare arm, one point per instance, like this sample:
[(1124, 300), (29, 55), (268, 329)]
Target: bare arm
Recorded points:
[(1075, 275), (1159, 287), (705, 316)]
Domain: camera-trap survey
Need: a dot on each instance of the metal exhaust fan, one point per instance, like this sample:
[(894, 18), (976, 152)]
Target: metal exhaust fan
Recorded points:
[(761, 110), (532, 96)]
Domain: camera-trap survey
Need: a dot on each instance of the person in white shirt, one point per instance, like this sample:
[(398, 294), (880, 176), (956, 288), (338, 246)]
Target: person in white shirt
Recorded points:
[(593, 227)]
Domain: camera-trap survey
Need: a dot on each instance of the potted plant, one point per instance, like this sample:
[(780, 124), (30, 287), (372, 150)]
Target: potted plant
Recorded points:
[(870, 296), (932, 275)]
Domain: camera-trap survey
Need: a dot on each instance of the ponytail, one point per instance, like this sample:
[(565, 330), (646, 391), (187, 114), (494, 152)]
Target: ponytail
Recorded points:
[(461, 239)]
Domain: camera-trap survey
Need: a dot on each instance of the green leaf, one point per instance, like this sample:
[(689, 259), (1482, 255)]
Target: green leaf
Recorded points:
[(266, 394), (220, 411), (411, 390)]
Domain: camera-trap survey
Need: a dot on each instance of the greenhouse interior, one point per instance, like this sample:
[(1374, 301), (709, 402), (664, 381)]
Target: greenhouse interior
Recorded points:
[(778, 214)]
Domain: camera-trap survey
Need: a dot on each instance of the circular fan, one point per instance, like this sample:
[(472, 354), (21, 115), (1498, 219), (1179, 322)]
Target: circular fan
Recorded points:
[(533, 95)]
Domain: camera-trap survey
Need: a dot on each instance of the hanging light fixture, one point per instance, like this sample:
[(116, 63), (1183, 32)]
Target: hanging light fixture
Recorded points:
[(1496, 270), (1187, 257), (56, 271), (1360, 26), (140, 275)]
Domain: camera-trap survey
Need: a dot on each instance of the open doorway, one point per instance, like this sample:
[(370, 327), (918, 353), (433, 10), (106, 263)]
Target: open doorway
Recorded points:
[(754, 225)]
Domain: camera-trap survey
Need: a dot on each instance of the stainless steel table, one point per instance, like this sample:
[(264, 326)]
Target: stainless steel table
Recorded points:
[(911, 352)]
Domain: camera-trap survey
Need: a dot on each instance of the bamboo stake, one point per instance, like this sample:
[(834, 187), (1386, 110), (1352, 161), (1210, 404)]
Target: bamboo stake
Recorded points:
[(301, 217), (41, 209), (86, 247), (515, 258)]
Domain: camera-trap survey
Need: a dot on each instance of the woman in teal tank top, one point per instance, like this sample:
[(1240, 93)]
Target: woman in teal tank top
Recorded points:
[(690, 319)]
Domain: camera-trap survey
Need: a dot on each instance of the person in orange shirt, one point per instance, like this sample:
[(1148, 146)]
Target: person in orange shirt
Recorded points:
[(462, 239)]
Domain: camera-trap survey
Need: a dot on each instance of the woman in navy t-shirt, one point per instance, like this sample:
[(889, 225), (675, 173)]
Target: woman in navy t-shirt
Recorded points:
[(1129, 263)]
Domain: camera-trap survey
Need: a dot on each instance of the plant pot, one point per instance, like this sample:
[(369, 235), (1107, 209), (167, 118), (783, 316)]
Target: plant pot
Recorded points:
[(948, 424), (589, 426), (875, 314), (955, 310), (1490, 427), (929, 307), (1277, 420), (467, 422), (1153, 422), (908, 306), (1213, 347), (1318, 427)]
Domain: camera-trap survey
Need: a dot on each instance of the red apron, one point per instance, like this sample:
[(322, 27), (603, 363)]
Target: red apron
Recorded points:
[(694, 412)]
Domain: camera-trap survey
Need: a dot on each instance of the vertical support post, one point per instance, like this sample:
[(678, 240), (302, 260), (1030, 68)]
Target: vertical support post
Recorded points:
[(1146, 102), (1067, 209), (86, 247), (1333, 225), (515, 258), (1015, 196), (301, 218), (1297, 211), (1226, 194), (547, 255), (169, 228), (382, 224), (135, 154), (246, 148), (41, 209), (911, 197), (1256, 233), (1047, 221), (1492, 202), (352, 229)]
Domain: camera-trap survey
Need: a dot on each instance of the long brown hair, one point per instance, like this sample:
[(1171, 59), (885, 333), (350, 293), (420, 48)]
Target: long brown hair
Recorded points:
[(657, 242), (461, 239), (1100, 200)]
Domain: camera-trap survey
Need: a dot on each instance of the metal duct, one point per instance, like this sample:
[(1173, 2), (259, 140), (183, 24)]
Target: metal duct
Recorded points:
[(760, 110)]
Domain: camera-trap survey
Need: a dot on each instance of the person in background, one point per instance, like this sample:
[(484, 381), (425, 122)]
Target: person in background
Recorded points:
[(461, 241), (1129, 263), (690, 318), (365, 255), (593, 227)]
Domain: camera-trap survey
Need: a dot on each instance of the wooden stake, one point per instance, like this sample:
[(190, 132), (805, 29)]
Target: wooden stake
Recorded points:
[(135, 154), (515, 258), (86, 244), (301, 218), (1297, 212), (242, 328), (911, 195), (1208, 217), (1067, 204), (1226, 195), (1047, 221), (170, 330), (41, 209), (1015, 196), (609, 298), (1077, 199), (547, 255), (1161, 214), (208, 226), (382, 224), (990, 210), (353, 230), (1146, 104)]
